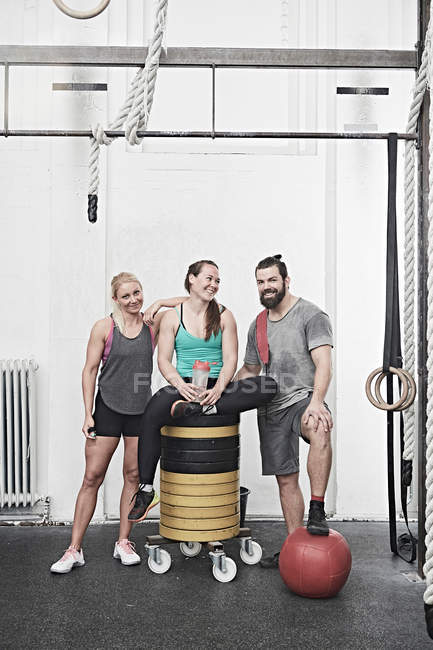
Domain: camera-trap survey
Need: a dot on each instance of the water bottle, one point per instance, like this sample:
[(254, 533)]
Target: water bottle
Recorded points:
[(200, 374)]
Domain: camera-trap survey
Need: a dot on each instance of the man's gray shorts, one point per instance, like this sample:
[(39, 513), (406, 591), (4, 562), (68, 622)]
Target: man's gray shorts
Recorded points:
[(279, 438)]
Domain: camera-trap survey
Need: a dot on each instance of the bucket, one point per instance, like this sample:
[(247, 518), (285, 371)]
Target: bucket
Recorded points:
[(244, 492)]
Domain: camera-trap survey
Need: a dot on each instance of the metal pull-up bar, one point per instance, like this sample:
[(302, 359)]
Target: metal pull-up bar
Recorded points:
[(213, 58), (283, 135)]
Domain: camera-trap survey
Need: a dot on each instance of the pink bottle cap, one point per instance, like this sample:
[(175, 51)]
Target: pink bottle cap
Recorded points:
[(201, 365)]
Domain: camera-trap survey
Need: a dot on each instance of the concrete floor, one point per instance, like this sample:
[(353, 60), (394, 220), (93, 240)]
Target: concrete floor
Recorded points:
[(106, 605)]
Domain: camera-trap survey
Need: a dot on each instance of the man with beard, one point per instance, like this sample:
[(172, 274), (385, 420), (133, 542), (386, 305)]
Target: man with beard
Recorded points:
[(299, 339)]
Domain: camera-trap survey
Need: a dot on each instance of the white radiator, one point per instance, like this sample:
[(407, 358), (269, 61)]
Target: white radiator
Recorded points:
[(17, 433)]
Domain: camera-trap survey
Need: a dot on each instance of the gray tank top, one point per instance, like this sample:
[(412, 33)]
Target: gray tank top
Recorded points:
[(125, 377)]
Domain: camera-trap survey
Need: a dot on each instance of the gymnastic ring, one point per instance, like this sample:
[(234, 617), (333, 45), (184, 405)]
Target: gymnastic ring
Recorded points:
[(404, 391), (404, 394), (412, 391), (410, 383), (379, 402), (74, 13)]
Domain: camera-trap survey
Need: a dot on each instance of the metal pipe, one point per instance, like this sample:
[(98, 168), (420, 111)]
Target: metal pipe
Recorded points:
[(213, 101), (288, 135), (6, 100), (3, 411), (23, 370), (33, 433), (196, 57)]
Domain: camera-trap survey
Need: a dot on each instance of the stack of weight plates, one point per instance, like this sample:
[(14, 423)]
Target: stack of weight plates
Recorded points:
[(200, 479)]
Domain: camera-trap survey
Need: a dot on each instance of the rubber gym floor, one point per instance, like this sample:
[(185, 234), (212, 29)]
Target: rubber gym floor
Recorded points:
[(106, 605)]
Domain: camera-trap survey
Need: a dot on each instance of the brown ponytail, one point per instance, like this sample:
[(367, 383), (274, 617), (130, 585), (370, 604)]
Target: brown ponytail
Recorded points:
[(213, 315)]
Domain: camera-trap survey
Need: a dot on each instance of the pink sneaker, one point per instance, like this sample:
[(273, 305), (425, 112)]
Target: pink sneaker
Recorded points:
[(124, 550), (70, 558)]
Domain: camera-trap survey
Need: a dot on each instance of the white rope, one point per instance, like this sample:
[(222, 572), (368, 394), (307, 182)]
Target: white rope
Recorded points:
[(409, 249), (135, 111), (428, 566)]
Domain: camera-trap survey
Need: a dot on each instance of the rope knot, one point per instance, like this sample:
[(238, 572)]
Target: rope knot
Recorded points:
[(99, 135)]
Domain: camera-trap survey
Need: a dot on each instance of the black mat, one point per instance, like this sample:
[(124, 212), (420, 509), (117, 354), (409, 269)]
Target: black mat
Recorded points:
[(107, 605)]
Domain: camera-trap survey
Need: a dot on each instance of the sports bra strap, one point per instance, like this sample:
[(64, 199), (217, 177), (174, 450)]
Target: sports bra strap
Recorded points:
[(108, 342)]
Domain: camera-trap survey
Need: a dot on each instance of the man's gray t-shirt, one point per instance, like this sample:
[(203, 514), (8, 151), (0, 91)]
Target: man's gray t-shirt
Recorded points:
[(291, 340)]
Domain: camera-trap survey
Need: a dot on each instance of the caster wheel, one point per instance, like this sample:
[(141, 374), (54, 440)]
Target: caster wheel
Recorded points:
[(256, 555), (164, 562), (190, 549), (228, 574)]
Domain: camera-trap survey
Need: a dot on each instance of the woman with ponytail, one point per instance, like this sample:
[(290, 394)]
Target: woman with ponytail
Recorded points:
[(203, 330), (122, 344)]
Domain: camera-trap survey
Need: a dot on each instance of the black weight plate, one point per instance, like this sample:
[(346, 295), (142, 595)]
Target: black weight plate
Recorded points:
[(205, 421), (198, 468), (200, 456), (199, 443)]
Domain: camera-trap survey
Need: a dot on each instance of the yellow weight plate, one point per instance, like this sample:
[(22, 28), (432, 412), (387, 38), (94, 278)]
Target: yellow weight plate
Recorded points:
[(199, 502), (198, 535), (200, 432), (199, 513), (199, 479), (199, 490), (199, 524)]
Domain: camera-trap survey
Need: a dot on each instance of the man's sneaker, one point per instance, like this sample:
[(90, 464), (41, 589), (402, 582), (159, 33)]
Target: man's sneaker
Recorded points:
[(143, 502), (124, 550), (270, 562), (182, 409), (70, 558), (317, 524)]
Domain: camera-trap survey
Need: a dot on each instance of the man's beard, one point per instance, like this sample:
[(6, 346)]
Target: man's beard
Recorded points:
[(272, 301)]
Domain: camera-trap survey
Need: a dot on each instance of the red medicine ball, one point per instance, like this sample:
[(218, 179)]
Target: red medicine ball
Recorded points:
[(315, 566)]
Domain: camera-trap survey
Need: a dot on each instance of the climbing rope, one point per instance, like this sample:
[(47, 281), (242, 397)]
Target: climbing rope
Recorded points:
[(428, 566), (409, 247), (75, 13), (135, 111)]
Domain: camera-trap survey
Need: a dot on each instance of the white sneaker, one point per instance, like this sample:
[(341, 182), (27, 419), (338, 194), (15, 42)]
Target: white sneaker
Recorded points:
[(124, 550), (71, 558)]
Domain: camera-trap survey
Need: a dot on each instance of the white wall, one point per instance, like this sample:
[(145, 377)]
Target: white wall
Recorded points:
[(167, 203)]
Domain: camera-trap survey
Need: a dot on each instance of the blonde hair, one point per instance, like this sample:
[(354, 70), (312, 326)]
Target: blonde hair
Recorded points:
[(117, 280)]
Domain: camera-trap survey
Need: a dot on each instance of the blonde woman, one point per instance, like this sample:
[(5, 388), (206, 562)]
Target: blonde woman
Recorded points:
[(122, 344)]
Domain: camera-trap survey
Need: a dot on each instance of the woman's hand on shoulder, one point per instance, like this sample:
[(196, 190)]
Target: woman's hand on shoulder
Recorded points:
[(166, 317), (150, 313)]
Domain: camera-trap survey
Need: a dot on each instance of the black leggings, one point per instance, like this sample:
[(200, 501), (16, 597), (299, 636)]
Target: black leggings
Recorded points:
[(238, 396)]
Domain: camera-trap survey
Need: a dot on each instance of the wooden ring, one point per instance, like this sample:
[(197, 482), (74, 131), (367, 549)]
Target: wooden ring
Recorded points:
[(404, 390), (75, 13), (412, 391), (379, 401), (409, 382)]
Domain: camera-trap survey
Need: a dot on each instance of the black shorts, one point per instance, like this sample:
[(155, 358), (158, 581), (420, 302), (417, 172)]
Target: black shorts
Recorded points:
[(113, 424)]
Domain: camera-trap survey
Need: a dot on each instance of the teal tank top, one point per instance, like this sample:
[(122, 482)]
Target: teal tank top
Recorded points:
[(190, 348)]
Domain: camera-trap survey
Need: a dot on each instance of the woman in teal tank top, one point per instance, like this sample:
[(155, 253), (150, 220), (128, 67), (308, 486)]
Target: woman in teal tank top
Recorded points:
[(201, 330), (190, 348)]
